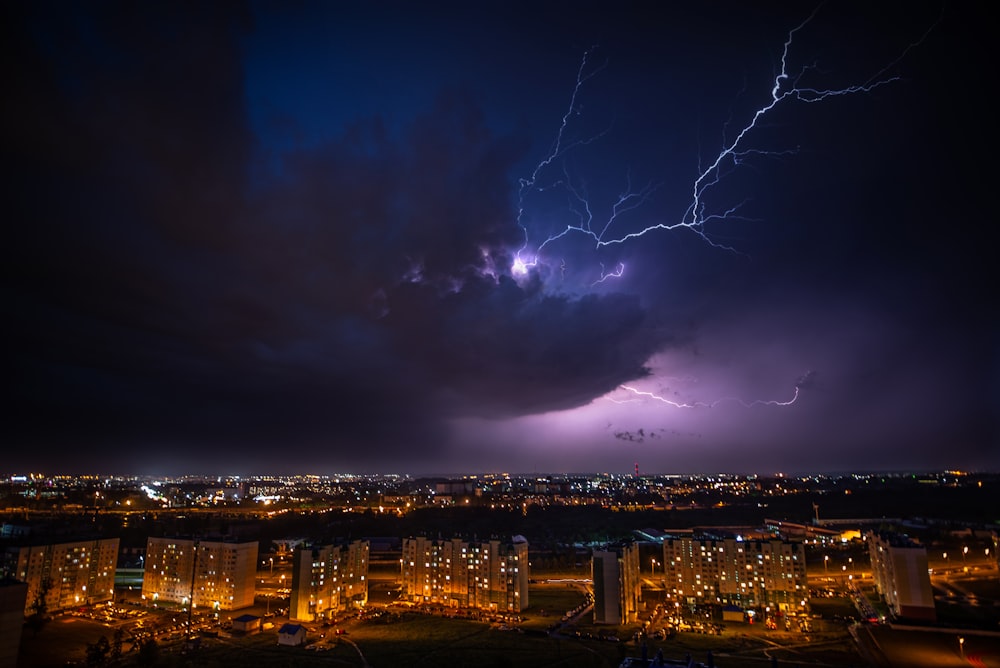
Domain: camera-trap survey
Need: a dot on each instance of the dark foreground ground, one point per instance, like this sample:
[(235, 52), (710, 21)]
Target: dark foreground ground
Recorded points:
[(396, 636)]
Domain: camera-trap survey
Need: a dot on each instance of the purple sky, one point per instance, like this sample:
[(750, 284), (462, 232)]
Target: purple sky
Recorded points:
[(268, 238)]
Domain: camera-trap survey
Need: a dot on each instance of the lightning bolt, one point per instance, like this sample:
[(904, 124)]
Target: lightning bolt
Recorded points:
[(804, 381), (560, 146), (617, 273), (701, 404), (551, 175), (786, 87)]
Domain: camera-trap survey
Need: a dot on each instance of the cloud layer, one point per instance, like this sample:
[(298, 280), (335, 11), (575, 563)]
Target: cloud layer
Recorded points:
[(237, 234)]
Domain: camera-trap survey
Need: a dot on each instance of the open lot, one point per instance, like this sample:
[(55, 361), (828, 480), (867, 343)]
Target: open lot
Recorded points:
[(63, 639), (408, 637), (894, 648), (549, 602), (405, 636)]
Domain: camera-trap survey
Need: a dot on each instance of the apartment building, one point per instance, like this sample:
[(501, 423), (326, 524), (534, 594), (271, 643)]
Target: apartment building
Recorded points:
[(899, 567), (215, 574), (489, 575), (65, 574), (732, 571), (329, 579), (617, 588)]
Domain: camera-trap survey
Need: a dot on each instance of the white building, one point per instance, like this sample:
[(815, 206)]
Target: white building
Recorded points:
[(900, 570), (292, 635)]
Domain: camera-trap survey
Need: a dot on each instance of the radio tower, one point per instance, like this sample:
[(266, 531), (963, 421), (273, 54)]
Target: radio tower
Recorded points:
[(637, 470)]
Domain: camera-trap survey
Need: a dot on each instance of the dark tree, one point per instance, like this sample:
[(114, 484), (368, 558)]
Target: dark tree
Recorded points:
[(116, 644), (97, 652), (39, 606), (149, 652)]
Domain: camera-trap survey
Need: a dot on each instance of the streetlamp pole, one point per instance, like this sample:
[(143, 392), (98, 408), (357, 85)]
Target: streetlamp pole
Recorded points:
[(194, 576)]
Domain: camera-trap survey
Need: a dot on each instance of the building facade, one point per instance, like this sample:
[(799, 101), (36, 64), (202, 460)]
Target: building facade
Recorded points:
[(490, 575), (617, 588), (13, 601), (218, 574), (65, 574), (329, 579), (731, 571), (899, 567)]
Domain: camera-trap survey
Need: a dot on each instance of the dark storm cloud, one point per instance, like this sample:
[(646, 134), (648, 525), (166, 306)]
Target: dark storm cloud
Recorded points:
[(233, 228), (502, 350), (168, 291)]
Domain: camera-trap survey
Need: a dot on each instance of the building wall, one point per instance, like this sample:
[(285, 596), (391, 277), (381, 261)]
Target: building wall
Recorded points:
[(617, 587), (430, 570), (219, 574), (13, 600), (485, 575), (77, 573), (509, 570), (354, 581), (900, 571), (748, 573), (329, 579), (607, 601)]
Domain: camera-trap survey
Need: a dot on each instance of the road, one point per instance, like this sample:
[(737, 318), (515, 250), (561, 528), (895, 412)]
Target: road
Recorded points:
[(924, 648)]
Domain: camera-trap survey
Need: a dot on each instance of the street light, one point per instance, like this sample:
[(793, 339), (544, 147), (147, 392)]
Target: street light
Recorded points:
[(272, 565), (826, 563), (965, 551), (961, 646)]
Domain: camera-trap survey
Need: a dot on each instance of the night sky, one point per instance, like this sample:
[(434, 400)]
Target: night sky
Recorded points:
[(311, 237)]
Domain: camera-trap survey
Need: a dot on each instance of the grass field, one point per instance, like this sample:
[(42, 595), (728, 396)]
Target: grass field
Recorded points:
[(833, 607), (421, 640), (415, 639), (548, 603), (62, 639)]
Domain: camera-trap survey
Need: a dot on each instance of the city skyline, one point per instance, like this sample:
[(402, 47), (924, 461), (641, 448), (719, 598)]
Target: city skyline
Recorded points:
[(463, 239), (373, 569)]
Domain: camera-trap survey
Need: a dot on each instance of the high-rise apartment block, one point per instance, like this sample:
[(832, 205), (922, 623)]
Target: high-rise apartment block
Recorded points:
[(66, 574), (747, 573), (617, 587), (899, 567), (490, 575), (217, 574), (329, 579)]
